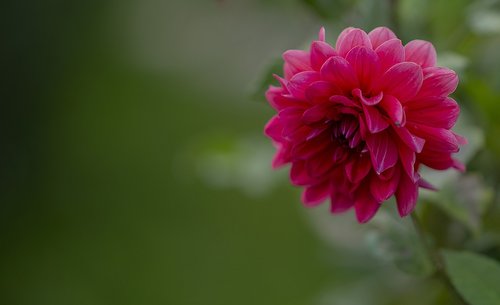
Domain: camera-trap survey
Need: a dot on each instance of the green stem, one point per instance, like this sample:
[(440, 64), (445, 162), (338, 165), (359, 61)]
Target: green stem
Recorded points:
[(436, 259)]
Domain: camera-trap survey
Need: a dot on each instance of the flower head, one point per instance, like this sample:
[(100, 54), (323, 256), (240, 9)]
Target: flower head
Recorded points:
[(357, 121)]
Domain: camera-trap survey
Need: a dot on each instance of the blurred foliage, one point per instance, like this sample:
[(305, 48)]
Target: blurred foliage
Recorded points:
[(396, 241), (462, 213), (261, 85), (329, 9), (134, 170), (476, 277)]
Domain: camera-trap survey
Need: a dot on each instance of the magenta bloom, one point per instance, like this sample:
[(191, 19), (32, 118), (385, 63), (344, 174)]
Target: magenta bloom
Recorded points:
[(357, 120)]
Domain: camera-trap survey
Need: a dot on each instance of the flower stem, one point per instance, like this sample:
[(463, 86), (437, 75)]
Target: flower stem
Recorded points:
[(436, 259)]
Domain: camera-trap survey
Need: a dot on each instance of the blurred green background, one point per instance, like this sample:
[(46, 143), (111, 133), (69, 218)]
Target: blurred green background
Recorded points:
[(134, 169)]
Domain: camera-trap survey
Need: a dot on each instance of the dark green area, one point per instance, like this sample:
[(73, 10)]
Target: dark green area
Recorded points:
[(104, 194)]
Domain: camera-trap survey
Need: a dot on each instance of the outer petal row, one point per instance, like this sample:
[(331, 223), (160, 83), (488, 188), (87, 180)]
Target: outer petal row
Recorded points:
[(351, 38), (380, 35), (421, 52), (402, 80)]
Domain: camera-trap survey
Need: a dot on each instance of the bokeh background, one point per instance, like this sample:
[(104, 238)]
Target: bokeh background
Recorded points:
[(134, 169)]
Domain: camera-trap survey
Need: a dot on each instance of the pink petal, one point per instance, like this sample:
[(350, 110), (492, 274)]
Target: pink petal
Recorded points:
[(374, 119), (461, 139), (296, 61), (388, 174), (343, 100), (406, 195), (437, 139), (341, 196), (459, 165), (348, 128), (340, 202), (274, 129), (366, 65), (351, 38), (363, 130), (340, 72), (426, 185), (340, 154), (393, 108), (408, 159), (320, 164), (291, 117), (358, 169), (421, 52), (308, 149), (274, 96), (316, 194), (297, 135), (282, 81), (436, 161), (439, 160), (300, 82), (383, 151), (321, 34), (380, 189), (380, 35), (342, 35), (320, 52), (316, 131), (316, 113), (353, 111), (321, 91), (402, 80), (298, 174), (390, 53), (365, 206), (437, 111), (293, 128), (369, 101), (282, 155), (438, 81), (355, 140), (413, 142)]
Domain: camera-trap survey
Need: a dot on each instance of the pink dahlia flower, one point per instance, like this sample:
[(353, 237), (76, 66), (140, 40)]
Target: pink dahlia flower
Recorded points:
[(356, 121)]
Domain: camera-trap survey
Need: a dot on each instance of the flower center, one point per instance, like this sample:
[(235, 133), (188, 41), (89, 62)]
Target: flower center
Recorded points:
[(346, 134)]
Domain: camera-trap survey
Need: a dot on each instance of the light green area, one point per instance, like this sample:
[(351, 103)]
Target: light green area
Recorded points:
[(475, 276), (135, 171)]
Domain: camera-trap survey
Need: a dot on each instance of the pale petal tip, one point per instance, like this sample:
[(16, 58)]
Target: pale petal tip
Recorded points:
[(461, 139), (459, 166), (321, 34), (280, 79), (379, 35), (312, 196), (421, 52), (364, 217), (427, 185), (406, 210)]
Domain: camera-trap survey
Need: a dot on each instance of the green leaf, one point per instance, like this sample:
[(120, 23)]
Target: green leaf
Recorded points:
[(476, 277)]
